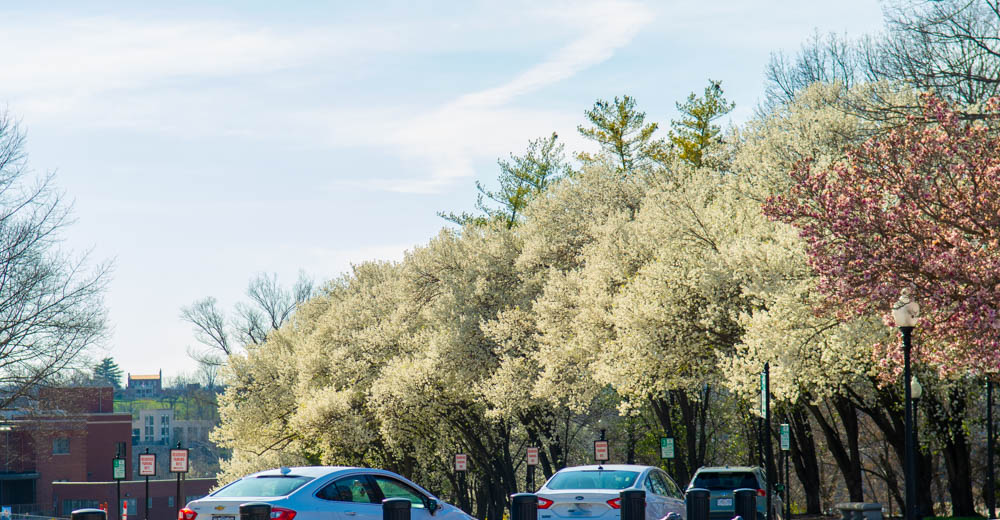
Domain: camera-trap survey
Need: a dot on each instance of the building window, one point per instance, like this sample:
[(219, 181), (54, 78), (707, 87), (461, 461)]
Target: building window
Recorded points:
[(164, 427), (170, 501), (149, 428), (60, 446), (72, 505)]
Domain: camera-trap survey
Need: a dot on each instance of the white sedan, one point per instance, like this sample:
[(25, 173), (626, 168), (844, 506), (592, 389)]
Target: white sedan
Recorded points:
[(592, 493), (321, 493)]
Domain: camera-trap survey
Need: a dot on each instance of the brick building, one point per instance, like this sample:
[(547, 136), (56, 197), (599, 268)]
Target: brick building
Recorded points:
[(162, 504), (63, 448)]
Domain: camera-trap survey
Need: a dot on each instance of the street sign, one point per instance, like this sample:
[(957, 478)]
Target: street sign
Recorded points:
[(786, 437), (147, 464), (179, 460), (461, 462), (532, 456), (601, 450), (118, 469), (666, 447), (763, 394)]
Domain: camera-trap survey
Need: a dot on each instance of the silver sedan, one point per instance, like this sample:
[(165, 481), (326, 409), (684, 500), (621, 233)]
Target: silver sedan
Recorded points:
[(592, 493), (321, 493)]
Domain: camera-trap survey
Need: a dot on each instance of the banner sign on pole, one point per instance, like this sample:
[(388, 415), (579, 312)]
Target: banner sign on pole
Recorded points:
[(147, 464), (532, 456), (763, 395), (124, 509), (601, 450), (179, 460), (118, 469), (461, 462), (666, 447), (786, 437)]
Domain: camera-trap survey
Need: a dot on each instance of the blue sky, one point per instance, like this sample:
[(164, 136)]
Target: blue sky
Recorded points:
[(204, 143)]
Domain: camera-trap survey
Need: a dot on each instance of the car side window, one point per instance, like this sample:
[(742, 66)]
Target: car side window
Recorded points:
[(348, 489), (657, 484), (667, 484), (392, 488)]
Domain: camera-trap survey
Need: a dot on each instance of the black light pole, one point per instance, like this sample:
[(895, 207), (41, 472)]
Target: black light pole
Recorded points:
[(916, 392), (904, 312), (990, 497), (768, 450)]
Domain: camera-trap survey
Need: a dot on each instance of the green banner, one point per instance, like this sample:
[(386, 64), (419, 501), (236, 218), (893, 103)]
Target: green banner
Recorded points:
[(666, 447), (118, 467)]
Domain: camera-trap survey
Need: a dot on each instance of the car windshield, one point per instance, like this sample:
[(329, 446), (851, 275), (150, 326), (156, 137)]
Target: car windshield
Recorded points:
[(263, 486), (712, 480), (592, 479)]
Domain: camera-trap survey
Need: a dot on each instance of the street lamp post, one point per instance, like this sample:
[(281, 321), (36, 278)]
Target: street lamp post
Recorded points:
[(916, 392), (990, 496), (904, 313)]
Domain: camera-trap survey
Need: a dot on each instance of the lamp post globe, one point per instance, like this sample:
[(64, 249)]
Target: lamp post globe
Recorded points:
[(905, 312), (916, 389)]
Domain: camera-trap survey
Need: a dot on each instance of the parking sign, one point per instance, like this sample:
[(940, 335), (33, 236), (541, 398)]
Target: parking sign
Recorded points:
[(179, 460), (666, 447), (118, 469), (147, 464), (601, 450), (532, 456), (461, 462)]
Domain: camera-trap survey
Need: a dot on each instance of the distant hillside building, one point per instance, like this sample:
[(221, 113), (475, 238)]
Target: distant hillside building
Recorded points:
[(145, 385)]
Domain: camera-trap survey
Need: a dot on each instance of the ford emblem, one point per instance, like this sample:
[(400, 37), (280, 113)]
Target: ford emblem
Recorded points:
[(579, 498)]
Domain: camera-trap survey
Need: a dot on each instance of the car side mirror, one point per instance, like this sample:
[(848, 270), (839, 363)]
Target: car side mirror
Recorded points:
[(432, 505)]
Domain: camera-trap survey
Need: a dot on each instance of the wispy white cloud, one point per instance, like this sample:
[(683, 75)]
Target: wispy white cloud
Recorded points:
[(65, 67), (447, 140)]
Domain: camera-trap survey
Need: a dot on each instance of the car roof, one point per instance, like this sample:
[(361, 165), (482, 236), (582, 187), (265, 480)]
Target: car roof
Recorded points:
[(608, 467), (305, 471), (717, 469)]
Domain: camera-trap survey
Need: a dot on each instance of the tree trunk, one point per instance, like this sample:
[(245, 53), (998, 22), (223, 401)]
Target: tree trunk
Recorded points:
[(847, 455), (804, 459), (949, 426)]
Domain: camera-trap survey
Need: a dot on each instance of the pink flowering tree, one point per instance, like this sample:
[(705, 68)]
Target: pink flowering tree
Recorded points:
[(919, 208)]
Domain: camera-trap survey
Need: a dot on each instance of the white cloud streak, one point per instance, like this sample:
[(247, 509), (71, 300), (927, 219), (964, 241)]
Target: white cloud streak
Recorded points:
[(474, 126)]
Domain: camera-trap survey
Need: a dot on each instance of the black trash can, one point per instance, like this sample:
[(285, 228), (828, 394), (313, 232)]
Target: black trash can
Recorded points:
[(524, 506), (696, 501), (745, 501), (396, 509), (633, 504)]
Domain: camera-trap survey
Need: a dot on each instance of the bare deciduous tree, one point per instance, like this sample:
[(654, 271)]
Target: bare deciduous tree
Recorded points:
[(51, 306), (269, 307), (950, 47)]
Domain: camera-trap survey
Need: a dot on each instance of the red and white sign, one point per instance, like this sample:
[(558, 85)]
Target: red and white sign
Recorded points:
[(601, 450), (532, 456), (124, 509), (147, 464), (179, 460), (461, 462)]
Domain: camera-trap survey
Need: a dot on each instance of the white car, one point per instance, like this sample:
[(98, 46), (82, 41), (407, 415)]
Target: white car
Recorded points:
[(592, 493), (320, 493)]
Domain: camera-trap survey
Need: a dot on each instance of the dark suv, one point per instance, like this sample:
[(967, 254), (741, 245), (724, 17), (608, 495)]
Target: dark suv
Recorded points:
[(722, 481)]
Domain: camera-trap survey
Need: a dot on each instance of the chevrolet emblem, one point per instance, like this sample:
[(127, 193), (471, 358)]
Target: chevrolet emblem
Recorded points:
[(219, 508)]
